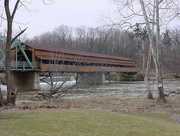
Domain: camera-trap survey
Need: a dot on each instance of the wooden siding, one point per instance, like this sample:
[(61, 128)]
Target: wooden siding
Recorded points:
[(78, 57), (75, 68)]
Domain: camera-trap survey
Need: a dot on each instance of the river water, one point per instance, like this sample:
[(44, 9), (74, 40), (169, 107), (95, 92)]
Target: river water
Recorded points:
[(121, 88)]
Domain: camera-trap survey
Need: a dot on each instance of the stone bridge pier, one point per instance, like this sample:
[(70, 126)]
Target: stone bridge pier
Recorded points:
[(90, 78), (26, 80)]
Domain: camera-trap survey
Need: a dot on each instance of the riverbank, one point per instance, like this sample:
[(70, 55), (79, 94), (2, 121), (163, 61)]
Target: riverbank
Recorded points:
[(110, 103), (128, 97)]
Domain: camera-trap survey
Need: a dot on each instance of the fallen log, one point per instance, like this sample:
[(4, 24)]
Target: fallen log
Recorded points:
[(177, 76), (173, 92)]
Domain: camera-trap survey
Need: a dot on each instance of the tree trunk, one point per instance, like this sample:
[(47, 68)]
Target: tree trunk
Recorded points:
[(146, 78), (161, 96), (10, 90), (11, 94), (154, 49), (143, 54)]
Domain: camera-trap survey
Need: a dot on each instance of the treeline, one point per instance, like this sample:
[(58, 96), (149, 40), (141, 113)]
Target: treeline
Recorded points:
[(132, 44)]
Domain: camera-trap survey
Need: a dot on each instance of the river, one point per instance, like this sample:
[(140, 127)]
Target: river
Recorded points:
[(121, 88)]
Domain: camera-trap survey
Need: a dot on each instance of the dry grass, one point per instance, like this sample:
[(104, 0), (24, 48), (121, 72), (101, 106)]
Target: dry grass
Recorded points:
[(115, 104)]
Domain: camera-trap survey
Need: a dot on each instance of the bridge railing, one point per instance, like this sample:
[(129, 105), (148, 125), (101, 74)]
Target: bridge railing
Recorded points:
[(24, 65)]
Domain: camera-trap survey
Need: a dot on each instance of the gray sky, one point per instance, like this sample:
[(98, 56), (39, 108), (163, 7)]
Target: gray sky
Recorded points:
[(44, 18)]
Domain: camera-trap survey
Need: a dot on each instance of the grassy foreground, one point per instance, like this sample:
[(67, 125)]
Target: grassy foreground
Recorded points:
[(82, 122)]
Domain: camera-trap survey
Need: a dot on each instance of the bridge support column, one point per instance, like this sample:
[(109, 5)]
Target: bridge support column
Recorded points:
[(91, 78), (26, 80)]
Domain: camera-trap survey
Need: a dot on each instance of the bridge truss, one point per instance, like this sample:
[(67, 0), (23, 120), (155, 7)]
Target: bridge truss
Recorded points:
[(16, 44)]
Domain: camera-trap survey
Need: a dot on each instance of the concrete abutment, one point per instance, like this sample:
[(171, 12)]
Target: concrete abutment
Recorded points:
[(26, 80), (91, 78)]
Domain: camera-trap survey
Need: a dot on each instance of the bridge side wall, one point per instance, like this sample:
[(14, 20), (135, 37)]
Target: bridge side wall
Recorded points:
[(74, 68), (91, 78), (26, 80)]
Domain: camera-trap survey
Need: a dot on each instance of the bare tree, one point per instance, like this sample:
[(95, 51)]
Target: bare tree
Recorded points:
[(91, 39), (169, 51), (142, 34), (154, 47), (148, 13), (10, 14), (11, 94), (62, 36), (175, 49), (81, 35)]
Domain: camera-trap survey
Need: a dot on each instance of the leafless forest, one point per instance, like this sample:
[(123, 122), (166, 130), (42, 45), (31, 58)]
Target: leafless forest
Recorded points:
[(132, 44)]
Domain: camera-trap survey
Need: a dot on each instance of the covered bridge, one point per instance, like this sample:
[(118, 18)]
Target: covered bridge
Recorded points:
[(53, 59)]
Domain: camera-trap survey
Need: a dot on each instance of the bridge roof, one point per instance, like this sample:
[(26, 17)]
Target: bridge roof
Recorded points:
[(74, 52), (80, 60)]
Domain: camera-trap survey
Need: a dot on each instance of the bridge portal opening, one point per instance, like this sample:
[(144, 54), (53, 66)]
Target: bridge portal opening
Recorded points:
[(21, 57)]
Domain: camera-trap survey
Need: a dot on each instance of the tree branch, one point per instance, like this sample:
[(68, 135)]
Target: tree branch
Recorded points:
[(18, 35), (6, 5), (50, 2), (15, 8)]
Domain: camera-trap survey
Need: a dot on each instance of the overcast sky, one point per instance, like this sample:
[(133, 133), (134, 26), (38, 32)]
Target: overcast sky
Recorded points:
[(44, 18)]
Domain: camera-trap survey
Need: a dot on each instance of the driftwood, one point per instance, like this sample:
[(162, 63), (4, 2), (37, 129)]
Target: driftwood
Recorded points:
[(177, 76), (173, 92)]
